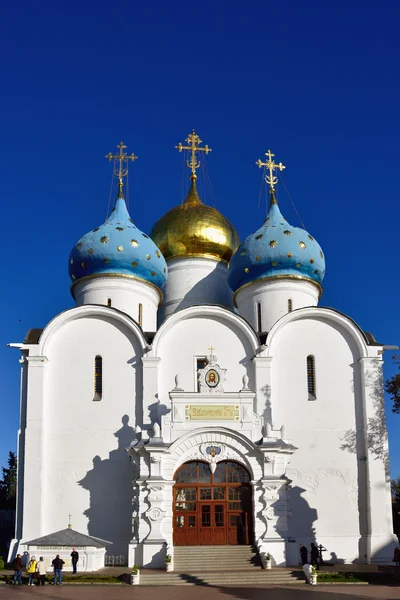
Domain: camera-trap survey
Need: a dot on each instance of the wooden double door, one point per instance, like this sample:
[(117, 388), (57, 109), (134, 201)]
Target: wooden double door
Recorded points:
[(212, 509)]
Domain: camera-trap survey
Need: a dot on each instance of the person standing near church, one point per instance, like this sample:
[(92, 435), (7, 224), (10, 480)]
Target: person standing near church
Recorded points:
[(17, 566), (57, 566), (41, 569), (31, 570), (396, 556), (314, 556), (303, 554), (74, 558)]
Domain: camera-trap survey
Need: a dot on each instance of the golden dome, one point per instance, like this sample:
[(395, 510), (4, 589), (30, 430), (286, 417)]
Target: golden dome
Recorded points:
[(194, 229)]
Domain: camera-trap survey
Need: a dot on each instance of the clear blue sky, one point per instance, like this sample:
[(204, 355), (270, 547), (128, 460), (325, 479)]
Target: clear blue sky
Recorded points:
[(317, 82)]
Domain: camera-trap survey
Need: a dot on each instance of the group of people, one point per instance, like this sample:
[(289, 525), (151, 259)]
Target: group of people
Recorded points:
[(37, 569), (314, 555)]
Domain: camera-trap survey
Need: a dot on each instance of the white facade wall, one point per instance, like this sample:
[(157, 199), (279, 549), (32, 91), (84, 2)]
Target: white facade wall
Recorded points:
[(273, 297), (74, 447), (331, 499), (134, 297), (195, 281)]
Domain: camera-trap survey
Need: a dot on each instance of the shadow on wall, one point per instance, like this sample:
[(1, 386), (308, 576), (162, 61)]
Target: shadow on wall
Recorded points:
[(110, 484), (376, 442), (267, 414), (298, 527), (195, 296)]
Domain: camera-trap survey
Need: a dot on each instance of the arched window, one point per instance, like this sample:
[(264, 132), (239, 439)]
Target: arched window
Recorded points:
[(199, 472), (108, 301), (259, 317), (140, 314), (312, 395), (98, 378), (289, 305)]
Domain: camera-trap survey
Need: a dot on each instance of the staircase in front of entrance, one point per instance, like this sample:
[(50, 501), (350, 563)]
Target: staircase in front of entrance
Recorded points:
[(215, 558), (219, 566)]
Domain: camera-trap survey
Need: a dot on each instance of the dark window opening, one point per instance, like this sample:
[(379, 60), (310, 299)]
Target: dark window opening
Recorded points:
[(311, 378), (201, 363), (259, 319), (98, 378), (140, 314)]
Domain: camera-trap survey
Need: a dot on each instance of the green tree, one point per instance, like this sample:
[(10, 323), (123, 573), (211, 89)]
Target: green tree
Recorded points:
[(8, 484), (393, 387), (395, 485)]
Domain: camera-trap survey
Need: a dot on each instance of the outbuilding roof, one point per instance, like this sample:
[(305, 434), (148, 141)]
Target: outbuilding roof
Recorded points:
[(68, 537)]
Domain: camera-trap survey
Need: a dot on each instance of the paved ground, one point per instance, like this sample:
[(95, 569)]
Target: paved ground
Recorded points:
[(319, 592)]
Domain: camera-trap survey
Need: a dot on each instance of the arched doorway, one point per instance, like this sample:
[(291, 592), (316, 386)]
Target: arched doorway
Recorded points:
[(212, 508)]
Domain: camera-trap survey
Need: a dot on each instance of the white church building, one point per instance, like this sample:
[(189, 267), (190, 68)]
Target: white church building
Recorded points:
[(197, 394)]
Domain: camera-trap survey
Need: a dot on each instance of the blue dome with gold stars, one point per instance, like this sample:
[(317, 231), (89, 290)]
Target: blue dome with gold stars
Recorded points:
[(277, 250), (118, 248)]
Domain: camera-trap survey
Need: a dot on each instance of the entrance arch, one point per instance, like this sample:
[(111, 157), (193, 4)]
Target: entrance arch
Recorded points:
[(212, 508)]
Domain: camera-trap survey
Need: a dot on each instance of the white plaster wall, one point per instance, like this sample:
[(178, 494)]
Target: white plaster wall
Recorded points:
[(193, 337), (194, 281), (125, 294), (273, 295), (324, 496), (86, 470)]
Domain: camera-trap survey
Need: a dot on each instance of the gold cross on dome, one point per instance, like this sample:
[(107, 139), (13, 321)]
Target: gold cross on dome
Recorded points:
[(211, 349), (194, 140), (271, 179), (121, 165)]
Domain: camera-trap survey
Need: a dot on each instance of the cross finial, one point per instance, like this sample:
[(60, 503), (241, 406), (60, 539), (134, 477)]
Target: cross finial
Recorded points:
[(271, 179), (211, 349), (69, 521), (121, 165), (193, 140)]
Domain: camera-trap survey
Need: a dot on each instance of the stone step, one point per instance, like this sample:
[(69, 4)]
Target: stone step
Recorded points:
[(214, 549), (188, 559), (222, 578)]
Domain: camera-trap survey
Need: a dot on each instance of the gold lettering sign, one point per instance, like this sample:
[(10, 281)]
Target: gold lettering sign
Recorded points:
[(200, 412)]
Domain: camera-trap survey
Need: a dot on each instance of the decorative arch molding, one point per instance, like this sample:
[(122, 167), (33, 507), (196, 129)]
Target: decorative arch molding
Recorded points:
[(89, 310), (234, 447), (213, 312), (328, 315)]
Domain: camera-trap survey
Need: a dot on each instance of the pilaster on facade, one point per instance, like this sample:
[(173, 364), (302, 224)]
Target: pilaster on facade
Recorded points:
[(34, 480), (263, 379), (375, 463), (150, 387)]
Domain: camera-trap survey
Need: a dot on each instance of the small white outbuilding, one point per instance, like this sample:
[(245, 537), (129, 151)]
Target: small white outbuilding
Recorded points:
[(91, 550)]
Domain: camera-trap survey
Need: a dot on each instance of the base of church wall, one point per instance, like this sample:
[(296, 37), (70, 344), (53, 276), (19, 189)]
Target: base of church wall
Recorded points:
[(382, 548), (276, 548)]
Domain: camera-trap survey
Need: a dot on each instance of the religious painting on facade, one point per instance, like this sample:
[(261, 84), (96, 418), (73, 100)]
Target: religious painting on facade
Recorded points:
[(212, 378)]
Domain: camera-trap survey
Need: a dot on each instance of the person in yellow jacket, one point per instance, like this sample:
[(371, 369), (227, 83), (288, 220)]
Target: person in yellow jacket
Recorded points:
[(31, 570)]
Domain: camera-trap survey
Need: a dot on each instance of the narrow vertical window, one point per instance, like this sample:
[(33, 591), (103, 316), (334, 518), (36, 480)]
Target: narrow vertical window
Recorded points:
[(108, 301), (311, 378), (258, 315), (98, 378), (289, 305), (140, 314)]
